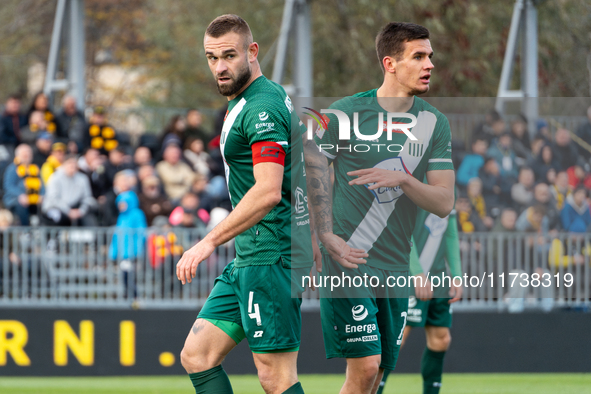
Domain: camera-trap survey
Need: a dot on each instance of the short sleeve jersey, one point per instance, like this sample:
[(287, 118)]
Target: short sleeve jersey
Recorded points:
[(381, 221), (263, 112)]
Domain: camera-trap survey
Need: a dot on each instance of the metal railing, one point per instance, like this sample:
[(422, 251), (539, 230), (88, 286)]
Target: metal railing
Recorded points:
[(104, 268)]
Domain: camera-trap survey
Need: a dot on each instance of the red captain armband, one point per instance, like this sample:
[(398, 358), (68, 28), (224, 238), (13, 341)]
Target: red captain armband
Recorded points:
[(268, 152)]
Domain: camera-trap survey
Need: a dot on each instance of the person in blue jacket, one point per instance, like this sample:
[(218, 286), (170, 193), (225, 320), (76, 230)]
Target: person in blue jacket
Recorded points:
[(575, 215), (128, 243)]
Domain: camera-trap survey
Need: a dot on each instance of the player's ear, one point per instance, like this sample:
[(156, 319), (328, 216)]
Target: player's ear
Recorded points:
[(389, 64), (253, 51)]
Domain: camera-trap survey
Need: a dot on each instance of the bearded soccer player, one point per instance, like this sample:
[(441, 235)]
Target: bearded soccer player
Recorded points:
[(435, 242), (252, 298), (366, 228)]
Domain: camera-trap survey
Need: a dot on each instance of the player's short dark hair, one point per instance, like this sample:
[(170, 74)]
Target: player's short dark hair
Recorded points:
[(229, 23), (391, 39)]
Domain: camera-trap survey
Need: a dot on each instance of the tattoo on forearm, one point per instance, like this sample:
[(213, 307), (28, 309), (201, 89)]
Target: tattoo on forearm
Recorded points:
[(319, 187)]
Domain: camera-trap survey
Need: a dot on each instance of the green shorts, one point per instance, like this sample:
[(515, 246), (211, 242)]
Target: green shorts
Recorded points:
[(435, 312), (367, 324), (257, 299)]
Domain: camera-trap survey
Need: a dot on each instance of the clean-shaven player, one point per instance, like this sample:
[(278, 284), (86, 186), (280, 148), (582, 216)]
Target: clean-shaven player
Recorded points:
[(435, 242), (365, 225), (252, 298)]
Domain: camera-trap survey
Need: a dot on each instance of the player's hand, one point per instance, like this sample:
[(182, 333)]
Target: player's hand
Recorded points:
[(186, 268), (342, 253), (455, 293), (378, 177), (424, 292)]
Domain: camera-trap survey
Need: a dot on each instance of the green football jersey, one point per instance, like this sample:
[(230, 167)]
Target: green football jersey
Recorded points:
[(264, 113), (381, 221), (429, 240)]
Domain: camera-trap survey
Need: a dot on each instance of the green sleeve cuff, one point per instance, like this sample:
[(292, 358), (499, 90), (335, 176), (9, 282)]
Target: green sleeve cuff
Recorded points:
[(415, 265), (452, 247)]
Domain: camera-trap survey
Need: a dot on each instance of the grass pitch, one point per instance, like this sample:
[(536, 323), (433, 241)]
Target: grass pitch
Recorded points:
[(313, 384)]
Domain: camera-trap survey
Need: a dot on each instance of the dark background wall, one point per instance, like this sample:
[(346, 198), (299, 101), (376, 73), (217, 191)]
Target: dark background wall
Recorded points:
[(482, 342)]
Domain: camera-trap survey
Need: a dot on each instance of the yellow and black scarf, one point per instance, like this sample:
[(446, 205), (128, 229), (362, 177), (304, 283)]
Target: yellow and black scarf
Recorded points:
[(31, 179), (102, 137)]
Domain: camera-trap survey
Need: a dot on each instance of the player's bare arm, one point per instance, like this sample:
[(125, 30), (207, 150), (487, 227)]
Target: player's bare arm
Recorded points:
[(320, 202), (436, 197), (256, 203)]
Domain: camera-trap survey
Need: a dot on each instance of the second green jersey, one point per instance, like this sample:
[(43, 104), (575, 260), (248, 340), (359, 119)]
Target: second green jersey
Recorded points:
[(381, 221), (435, 241), (263, 112)]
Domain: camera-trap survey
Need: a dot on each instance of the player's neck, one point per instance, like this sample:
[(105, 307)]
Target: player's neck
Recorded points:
[(394, 98), (256, 72)]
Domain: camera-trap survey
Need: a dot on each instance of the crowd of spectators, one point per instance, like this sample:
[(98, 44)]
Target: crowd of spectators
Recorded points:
[(60, 169), (509, 182)]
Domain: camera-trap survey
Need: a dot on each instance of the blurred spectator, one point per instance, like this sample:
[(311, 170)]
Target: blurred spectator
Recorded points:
[(128, 241), (41, 103), (42, 148), (543, 130), (188, 213), (194, 129), (100, 135), (495, 189), (584, 132), (176, 175), (543, 163), (522, 192), (118, 161), (91, 164), (145, 172), (577, 177), (69, 200), (472, 163), (503, 153), (575, 215), (164, 251), (560, 190), (533, 219), (195, 154), (199, 188), (468, 220), (37, 126), (142, 156), (474, 192), (11, 122), (506, 221), (542, 196), (23, 187), (565, 150), (152, 202), (123, 181), (175, 128), (54, 161), (72, 123), (521, 142), (492, 128)]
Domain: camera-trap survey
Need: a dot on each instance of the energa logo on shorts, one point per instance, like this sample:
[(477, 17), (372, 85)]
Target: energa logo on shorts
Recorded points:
[(359, 312)]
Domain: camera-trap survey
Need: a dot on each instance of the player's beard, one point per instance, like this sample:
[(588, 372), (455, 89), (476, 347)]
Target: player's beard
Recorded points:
[(238, 81)]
